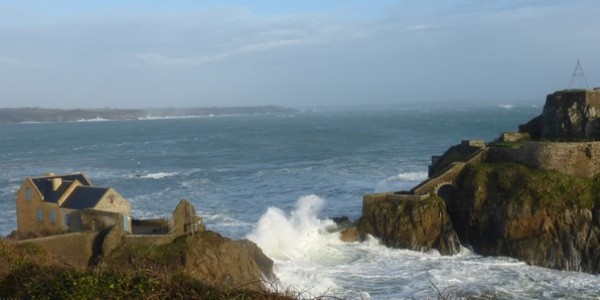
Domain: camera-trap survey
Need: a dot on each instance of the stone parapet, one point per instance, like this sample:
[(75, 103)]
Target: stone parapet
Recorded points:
[(576, 159)]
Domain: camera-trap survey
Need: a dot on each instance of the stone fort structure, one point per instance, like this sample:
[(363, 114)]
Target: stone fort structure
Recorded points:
[(79, 222), (564, 138)]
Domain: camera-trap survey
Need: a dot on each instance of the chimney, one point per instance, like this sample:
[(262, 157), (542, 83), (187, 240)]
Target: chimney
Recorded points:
[(56, 182)]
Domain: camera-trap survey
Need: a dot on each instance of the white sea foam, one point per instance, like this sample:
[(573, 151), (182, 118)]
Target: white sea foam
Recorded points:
[(506, 106), (402, 181), (309, 258), (9, 190), (301, 246), (159, 175), (96, 119)]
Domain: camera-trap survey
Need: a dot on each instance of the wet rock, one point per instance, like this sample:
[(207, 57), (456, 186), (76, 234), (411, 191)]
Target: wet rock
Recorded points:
[(409, 222), (350, 234), (542, 218)]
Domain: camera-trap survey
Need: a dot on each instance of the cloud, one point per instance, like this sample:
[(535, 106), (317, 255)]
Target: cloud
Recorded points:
[(403, 51), (161, 59)]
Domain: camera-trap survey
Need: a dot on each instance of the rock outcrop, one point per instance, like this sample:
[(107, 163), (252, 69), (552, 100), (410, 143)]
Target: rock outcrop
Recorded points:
[(544, 218), (31, 271), (205, 256), (183, 246), (409, 222), (532, 195), (568, 114)]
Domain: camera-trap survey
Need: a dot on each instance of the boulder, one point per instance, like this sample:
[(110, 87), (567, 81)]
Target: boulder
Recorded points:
[(409, 222), (206, 256)]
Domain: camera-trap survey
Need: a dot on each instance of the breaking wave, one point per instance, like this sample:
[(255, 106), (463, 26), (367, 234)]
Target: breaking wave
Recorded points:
[(402, 181), (159, 175), (301, 246)]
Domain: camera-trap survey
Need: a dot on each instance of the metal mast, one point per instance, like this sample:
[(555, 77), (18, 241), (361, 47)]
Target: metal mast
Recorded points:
[(579, 76)]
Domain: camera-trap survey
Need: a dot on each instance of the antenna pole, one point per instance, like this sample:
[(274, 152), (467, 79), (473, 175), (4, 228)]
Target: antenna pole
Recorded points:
[(578, 73)]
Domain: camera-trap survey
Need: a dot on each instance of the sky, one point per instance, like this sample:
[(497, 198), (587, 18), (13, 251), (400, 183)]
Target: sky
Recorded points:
[(151, 53)]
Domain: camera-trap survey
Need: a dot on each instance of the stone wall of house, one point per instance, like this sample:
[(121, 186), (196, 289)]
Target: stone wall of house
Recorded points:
[(34, 217), (576, 159), (98, 220), (113, 201)]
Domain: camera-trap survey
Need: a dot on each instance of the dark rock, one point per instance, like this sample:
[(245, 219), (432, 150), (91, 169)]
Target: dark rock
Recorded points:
[(543, 218), (571, 115), (533, 128), (343, 220), (409, 222)]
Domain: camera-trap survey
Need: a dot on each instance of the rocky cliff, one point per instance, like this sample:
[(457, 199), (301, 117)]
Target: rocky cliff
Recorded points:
[(544, 218), (568, 115), (415, 223), (533, 195)]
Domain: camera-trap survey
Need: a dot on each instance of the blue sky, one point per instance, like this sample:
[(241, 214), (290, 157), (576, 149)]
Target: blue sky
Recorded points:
[(130, 54)]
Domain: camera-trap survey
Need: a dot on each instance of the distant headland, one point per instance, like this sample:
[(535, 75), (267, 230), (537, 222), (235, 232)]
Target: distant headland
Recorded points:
[(47, 115)]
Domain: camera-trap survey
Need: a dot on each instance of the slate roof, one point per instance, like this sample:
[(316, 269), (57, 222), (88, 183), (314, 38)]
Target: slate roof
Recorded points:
[(84, 197)]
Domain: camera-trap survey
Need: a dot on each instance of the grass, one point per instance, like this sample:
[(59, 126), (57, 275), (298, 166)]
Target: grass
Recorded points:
[(63, 283), (29, 271), (515, 182)]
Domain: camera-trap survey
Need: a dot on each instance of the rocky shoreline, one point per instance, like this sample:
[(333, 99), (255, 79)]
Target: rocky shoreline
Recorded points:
[(45, 115), (204, 266), (533, 195)]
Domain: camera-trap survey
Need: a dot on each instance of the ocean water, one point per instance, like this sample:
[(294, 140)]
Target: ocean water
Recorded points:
[(278, 179)]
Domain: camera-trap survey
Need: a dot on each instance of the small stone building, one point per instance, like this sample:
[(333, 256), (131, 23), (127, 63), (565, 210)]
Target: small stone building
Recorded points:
[(55, 204)]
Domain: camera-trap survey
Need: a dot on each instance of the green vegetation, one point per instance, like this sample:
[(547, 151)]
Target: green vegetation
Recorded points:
[(62, 283), (29, 271), (517, 183), (161, 254)]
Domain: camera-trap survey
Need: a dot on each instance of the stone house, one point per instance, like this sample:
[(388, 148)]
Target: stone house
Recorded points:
[(55, 204)]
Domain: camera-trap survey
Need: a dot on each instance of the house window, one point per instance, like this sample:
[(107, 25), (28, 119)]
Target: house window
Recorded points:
[(68, 220), (40, 215), (52, 217), (125, 223), (28, 194)]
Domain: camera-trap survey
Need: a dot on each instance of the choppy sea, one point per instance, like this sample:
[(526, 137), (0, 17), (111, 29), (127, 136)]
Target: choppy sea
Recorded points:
[(278, 179)]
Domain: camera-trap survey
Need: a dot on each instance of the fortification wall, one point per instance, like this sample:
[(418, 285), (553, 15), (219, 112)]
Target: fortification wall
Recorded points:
[(576, 159), (76, 248), (593, 98)]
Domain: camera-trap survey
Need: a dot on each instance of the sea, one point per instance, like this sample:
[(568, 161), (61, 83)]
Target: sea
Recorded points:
[(279, 179)]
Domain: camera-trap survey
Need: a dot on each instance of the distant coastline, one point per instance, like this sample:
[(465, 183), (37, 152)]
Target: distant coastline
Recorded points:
[(47, 115)]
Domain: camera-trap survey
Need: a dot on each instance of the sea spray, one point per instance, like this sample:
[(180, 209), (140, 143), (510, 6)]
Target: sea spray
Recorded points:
[(301, 246)]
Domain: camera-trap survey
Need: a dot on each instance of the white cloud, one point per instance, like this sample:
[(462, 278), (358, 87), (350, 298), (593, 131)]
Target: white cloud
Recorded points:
[(161, 59)]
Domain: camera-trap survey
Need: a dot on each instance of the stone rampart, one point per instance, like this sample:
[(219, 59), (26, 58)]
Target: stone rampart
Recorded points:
[(77, 248), (449, 174), (576, 159)]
